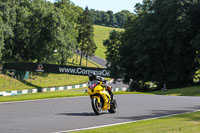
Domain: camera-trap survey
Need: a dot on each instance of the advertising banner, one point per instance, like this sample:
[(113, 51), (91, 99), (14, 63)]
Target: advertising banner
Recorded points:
[(60, 69)]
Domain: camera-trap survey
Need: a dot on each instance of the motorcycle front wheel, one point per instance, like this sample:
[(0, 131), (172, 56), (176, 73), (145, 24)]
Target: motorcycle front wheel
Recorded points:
[(113, 106), (96, 106)]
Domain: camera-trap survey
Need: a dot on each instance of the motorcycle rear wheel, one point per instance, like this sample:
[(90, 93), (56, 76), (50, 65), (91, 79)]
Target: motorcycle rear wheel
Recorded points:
[(96, 106)]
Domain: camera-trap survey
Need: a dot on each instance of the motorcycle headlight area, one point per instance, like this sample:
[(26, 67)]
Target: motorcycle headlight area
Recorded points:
[(92, 84)]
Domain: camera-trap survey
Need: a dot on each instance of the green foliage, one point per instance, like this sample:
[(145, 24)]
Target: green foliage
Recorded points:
[(65, 30), (37, 28), (1, 35), (110, 19), (160, 44), (85, 37), (112, 54), (122, 18), (193, 12), (8, 14)]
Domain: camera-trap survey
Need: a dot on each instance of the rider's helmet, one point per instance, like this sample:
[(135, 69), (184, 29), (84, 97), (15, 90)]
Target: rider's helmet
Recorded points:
[(92, 76)]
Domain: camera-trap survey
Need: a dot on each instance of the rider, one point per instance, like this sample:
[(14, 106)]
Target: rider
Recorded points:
[(93, 76)]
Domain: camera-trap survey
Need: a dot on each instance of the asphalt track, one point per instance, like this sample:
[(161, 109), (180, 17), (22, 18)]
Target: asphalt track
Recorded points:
[(68, 114), (103, 63), (64, 114), (99, 61)]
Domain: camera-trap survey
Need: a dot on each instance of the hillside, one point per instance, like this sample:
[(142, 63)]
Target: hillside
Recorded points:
[(38, 80), (102, 33)]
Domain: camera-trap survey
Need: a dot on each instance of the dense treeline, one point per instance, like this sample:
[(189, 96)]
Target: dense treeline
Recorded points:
[(41, 31), (160, 44), (110, 19)]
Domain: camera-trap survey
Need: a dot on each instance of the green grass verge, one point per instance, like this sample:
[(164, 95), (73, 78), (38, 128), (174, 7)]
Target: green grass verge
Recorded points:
[(184, 123), (54, 94), (186, 91), (101, 33), (46, 95)]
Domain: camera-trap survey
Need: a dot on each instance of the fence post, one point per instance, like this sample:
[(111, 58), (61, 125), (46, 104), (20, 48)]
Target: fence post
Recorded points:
[(1, 69)]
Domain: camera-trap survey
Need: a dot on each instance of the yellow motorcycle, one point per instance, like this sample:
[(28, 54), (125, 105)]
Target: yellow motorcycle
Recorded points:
[(100, 98)]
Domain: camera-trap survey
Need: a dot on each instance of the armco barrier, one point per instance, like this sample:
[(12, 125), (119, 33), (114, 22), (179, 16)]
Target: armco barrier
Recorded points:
[(29, 91)]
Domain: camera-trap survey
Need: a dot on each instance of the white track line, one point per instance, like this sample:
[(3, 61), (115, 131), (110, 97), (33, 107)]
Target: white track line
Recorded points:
[(88, 128)]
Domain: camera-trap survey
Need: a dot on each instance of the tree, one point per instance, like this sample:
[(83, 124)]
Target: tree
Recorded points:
[(112, 54), (105, 18), (121, 17), (1, 35), (37, 28), (112, 19), (71, 14), (162, 46), (192, 14), (41, 25), (97, 19), (158, 45), (67, 29), (85, 37), (21, 33), (8, 15)]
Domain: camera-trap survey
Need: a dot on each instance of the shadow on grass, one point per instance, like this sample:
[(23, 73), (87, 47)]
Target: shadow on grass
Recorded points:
[(31, 85), (191, 117), (195, 116), (186, 91)]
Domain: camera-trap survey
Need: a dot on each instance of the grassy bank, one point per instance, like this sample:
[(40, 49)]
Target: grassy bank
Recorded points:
[(37, 80), (102, 33), (184, 123), (8, 83)]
